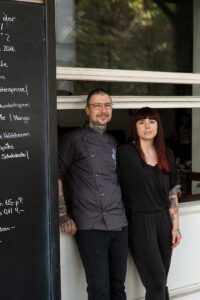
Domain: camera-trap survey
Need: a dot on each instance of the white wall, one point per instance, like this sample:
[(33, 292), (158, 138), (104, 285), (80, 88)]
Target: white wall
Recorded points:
[(196, 92), (184, 277), (185, 269)]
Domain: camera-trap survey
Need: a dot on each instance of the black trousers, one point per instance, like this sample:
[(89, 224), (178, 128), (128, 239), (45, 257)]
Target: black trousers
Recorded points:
[(104, 257), (150, 243)]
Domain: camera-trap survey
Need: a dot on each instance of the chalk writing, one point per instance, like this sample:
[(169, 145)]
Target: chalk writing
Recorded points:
[(14, 105), (19, 155), (14, 90), (5, 36), (8, 228), (15, 118), (3, 64), (14, 135), (12, 206), (6, 147), (23, 143), (5, 19), (6, 48), (2, 117)]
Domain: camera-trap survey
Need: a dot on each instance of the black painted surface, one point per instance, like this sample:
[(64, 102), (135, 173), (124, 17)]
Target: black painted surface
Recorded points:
[(24, 204)]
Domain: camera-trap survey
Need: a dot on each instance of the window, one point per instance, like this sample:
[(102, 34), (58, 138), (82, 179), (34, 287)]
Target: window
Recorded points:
[(142, 52)]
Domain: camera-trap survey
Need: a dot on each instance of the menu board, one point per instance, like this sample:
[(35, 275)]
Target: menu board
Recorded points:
[(24, 252)]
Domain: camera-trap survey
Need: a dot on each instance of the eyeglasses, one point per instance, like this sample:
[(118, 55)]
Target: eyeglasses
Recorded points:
[(99, 106)]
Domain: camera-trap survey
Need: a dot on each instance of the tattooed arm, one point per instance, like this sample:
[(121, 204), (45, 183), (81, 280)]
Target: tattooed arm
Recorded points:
[(66, 223), (174, 214)]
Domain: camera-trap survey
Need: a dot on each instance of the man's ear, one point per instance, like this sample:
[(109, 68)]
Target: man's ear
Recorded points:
[(87, 110)]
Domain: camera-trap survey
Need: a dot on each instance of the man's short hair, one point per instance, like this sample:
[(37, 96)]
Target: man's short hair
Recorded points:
[(96, 92)]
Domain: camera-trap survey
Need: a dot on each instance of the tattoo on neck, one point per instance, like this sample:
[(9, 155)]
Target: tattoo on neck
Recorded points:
[(98, 129)]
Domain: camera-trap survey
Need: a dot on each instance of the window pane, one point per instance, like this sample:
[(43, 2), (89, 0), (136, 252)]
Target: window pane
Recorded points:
[(124, 34), (66, 88)]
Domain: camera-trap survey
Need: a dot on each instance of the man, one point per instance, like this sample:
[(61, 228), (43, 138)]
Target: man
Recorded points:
[(87, 163)]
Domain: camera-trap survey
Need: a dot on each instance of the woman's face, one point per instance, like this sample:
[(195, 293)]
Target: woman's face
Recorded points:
[(147, 129)]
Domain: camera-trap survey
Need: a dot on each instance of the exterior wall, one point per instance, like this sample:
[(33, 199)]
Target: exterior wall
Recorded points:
[(184, 277), (196, 92)]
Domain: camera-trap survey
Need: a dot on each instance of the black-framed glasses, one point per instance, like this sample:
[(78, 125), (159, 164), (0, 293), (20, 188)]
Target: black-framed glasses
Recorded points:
[(99, 106)]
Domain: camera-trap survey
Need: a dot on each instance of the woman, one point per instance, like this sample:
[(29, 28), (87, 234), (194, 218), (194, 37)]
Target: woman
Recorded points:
[(149, 183)]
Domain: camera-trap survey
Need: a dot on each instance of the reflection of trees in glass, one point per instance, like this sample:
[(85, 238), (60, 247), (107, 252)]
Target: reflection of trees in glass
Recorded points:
[(137, 34), (182, 20)]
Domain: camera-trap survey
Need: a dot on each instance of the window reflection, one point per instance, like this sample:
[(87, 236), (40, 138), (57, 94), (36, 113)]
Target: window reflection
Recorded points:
[(124, 34)]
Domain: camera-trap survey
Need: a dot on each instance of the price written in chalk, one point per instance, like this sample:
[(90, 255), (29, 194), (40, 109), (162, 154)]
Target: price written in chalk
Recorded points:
[(12, 206)]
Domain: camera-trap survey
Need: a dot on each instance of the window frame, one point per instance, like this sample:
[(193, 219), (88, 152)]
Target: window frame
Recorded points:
[(117, 75)]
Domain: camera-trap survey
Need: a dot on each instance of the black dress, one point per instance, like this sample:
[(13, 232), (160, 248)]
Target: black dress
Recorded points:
[(145, 191)]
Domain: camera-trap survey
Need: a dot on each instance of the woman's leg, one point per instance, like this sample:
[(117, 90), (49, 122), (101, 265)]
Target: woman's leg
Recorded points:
[(144, 234)]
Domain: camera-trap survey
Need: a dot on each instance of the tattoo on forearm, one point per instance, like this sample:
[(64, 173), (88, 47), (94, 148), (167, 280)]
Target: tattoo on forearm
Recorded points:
[(172, 217), (173, 201), (175, 210), (62, 206), (63, 216)]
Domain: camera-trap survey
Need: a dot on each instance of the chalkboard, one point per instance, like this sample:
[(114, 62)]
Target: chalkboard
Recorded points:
[(24, 149)]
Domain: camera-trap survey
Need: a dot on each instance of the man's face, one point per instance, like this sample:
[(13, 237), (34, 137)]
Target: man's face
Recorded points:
[(99, 110)]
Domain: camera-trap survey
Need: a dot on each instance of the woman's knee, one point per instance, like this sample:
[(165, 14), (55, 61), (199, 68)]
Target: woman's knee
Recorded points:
[(156, 289)]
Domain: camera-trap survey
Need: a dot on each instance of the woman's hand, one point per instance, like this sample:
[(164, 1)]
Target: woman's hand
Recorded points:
[(176, 237)]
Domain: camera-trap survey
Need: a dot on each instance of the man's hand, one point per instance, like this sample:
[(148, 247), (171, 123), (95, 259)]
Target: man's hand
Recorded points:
[(67, 225)]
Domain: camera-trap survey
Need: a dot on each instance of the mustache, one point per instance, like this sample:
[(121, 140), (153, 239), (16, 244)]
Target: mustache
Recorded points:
[(103, 115)]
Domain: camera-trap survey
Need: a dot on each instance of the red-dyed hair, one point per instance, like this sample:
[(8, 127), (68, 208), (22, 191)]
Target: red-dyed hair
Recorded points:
[(144, 113)]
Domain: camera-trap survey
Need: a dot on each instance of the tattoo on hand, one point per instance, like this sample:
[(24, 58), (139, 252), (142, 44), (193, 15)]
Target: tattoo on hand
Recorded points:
[(64, 219), (178, 231)]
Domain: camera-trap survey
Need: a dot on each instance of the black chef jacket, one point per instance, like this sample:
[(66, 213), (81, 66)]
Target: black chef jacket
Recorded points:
[(87, 161)]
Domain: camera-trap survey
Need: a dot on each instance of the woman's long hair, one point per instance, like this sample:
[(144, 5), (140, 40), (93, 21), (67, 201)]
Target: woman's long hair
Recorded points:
[(144, 113)]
